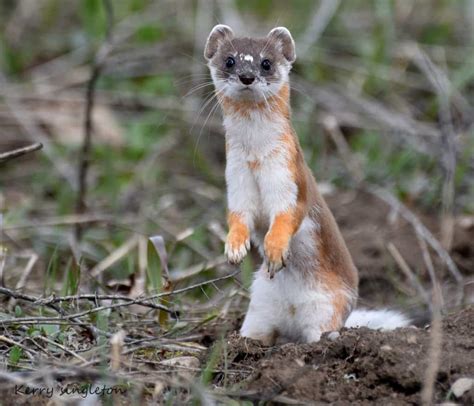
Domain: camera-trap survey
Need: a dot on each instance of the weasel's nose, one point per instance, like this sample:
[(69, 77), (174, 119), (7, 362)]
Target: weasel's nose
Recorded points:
[(247, 80)]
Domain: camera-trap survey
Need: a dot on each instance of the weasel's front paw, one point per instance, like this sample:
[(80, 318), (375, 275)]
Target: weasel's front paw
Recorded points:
[(276, 253), (237, 246)]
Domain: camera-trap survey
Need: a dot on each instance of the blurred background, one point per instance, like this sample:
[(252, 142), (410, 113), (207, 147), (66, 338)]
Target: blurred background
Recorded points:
[(127, 195)]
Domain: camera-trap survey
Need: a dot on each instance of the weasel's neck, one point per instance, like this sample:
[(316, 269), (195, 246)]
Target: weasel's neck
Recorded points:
[(277, 106)]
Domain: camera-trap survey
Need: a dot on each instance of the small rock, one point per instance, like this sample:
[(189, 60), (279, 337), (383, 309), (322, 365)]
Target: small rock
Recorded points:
[(334, 335), (385, 347), (411, 339), (300, 362), (159, 387), (466, 222), (461, 386)]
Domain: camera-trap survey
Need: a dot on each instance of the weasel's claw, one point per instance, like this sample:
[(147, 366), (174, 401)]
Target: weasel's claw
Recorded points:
[(273, 267), (275, 257), (235, 255)]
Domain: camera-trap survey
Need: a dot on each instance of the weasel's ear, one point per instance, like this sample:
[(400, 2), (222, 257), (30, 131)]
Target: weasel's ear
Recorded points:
[(219, 33), (284, 40)]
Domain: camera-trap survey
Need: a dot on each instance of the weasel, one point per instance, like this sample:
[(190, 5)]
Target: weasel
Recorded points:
[(307, 283)]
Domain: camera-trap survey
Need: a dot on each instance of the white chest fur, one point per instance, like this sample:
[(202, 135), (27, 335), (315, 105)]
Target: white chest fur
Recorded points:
[(256, 134), (259, 181)]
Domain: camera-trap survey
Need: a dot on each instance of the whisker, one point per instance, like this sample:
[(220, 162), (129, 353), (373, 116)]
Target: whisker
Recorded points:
[(266, 101), (301, 92), (211, 112), (198, 87), (189, 78), (265, 46), (232, 45), (207, 101)]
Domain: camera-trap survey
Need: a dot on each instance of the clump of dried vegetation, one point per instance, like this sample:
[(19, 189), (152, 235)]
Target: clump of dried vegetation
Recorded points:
[(112, 190)]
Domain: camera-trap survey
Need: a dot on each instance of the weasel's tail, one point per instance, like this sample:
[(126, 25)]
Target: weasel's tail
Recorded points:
[(383, 319)]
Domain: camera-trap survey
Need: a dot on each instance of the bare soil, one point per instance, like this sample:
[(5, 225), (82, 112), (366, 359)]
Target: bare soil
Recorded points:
[(359, 367)]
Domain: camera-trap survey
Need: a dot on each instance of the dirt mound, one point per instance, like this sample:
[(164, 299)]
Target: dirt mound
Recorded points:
[(359, 366)]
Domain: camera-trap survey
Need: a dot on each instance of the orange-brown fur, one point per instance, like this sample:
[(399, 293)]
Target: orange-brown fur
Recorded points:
[(336, 270), (277, 104), (238, 231)]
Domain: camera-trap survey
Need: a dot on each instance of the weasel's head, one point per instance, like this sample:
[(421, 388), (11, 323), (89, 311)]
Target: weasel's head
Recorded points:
[(249, 68)]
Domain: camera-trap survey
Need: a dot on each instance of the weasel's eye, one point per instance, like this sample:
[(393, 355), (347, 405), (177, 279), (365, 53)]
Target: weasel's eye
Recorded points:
[(230, 62), (266, 64)]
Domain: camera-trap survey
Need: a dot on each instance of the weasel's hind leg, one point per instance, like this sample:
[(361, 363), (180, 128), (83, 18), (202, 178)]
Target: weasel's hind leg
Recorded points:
[(258, 327), (326, 312), (261, 320)]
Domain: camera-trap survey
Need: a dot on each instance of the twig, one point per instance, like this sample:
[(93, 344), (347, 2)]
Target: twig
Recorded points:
[(331, 125), (77, 315), (62, 347), (3, 250), (427, 260), (434, 352), (448, 148), (126, 301), (24, 275), (167, 346), (42, 319), (114, 256), (27, 298), (320, 20), (62, 221), (409, 273), (420, 229), (355, 171), (193, 270), (339, 101), (12, 342), (84, 158), (6, 156), (197, 285), (36, 133), (144, 301), (17, 295)]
